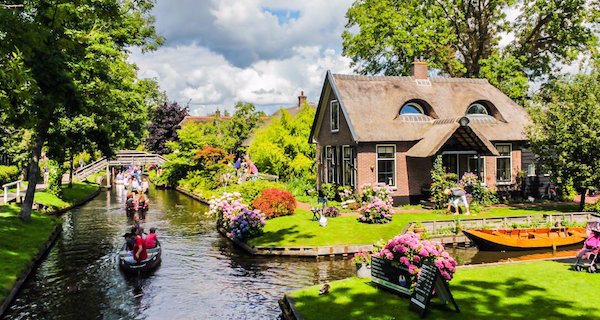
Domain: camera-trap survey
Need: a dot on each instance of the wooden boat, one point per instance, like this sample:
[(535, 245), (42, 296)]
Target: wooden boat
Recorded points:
[(153, 260), (526, 238)]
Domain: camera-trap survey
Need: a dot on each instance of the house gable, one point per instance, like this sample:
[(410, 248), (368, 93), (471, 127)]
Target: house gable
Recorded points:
[(321, 128)]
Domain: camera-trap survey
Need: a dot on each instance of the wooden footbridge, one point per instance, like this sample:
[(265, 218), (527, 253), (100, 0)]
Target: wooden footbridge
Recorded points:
[(122, 158)]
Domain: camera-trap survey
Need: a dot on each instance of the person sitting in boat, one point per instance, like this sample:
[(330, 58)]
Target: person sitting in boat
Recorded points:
[(151, 239), (139, 248), (145, 185), (130, 203), (129, 244), (457, 195), (592, 243)]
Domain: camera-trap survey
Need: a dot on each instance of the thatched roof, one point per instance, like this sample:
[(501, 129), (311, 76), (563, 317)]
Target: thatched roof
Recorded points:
[(371, 105)]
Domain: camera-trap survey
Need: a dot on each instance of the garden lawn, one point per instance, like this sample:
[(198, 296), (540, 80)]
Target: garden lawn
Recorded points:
[(300, 230), (19, 243), (533, 290), (69, 196)]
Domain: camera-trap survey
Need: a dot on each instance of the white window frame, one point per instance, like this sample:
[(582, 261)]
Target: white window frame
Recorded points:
[(483, 168), (501, 183), (352, 179), (487, 112), (412, 104), (327, 158), (337, 105), (531, 170), (377, 163)]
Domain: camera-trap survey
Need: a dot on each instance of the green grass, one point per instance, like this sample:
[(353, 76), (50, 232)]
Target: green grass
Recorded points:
[(19, 243), (69, 196), (300, 230), (534, 290)]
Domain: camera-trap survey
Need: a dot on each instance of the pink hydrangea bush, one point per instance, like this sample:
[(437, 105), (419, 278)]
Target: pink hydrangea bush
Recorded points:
[(376, 204), (235, 218), (361, 257), (410, 251)]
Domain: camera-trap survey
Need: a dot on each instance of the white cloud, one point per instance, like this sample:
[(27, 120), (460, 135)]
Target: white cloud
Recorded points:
[(261, 51), (209, 80)]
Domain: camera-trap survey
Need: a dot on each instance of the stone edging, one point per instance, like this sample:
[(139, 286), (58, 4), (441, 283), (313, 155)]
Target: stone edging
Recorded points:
[(42, 253), (288, 311)]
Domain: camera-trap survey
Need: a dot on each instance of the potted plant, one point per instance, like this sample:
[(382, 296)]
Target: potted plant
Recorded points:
[(418, 228), (362, 261)]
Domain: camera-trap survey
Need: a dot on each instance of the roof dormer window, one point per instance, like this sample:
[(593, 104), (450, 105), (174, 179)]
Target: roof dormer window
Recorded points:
[(477, 109), (411, 108)]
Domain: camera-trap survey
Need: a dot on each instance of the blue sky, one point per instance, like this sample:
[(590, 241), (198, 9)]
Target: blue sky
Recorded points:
[(218, 52)]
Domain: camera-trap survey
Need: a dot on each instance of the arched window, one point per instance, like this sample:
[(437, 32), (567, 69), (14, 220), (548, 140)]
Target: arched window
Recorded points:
[(477, 108), (411, 108)]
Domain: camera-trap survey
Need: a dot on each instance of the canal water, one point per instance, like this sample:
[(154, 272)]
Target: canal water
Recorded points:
[(202, 275)]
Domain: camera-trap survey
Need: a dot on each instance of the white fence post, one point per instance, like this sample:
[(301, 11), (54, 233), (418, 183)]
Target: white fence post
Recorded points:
[(5, 194)]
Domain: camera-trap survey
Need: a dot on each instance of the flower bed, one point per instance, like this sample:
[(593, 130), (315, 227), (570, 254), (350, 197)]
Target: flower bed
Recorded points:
[(376, 204), (235, 218), (410, 251)]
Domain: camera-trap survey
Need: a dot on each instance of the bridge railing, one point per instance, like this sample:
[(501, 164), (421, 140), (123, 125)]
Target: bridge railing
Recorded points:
[(10, 184)]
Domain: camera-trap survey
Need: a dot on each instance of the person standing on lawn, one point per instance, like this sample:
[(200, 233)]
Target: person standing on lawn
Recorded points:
[(457, 195)]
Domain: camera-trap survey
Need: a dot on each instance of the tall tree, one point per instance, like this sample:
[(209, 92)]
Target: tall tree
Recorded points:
[(564, 134), (164, 125), (459, 37), (244, 119), (75, 53)]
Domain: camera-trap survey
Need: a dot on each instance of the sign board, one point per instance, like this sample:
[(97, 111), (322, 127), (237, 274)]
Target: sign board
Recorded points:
[(429, 281), (390, 275)]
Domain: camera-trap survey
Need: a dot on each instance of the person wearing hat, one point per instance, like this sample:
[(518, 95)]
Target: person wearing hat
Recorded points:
[(592, 243), (151, 239), (129, 243)]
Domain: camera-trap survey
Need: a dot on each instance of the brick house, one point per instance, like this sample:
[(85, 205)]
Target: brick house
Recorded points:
[(389, 129)]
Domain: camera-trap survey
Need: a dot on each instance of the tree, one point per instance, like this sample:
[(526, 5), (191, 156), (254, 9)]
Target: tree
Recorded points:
[(459, 37), (281, 147), (244, 119), (564, 132), (71, 54), (164, 125)]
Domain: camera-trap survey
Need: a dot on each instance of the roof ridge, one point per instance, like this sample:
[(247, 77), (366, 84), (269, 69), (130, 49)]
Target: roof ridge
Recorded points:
[(405, 78)]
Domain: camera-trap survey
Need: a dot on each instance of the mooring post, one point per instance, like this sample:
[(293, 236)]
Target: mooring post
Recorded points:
[(107, 176)]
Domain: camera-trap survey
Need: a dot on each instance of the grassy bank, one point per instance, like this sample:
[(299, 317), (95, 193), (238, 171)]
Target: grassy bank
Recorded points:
[(301, 230), (535, 290), (20, 242)]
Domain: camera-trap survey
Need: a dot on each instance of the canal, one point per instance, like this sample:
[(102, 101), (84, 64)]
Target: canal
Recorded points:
[(202, 275)]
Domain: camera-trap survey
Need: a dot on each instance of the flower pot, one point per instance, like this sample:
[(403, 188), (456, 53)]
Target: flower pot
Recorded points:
[(364, 271), (419, 230)]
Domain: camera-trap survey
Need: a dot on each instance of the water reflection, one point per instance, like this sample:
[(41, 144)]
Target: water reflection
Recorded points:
[(202, 276)]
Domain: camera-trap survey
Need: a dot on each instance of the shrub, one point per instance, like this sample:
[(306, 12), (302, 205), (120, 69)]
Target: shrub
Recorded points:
[(376, 211), (275, 203), (331, 212), (8, 174), (376, 204), (592, 207), (235, 218), (478, 192), (252, 188), (410, 251), (329, 191), (440, 181), (301, 186)]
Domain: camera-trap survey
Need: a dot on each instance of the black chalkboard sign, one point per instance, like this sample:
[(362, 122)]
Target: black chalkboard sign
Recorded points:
[(390, 275), (429, 281)]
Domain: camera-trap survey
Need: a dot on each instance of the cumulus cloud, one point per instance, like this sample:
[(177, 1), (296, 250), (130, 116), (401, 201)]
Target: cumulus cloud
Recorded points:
[(194, 73), (260, 51)]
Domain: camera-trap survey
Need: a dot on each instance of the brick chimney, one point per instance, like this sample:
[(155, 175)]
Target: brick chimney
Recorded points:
[(419, 69), (301, 99)]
